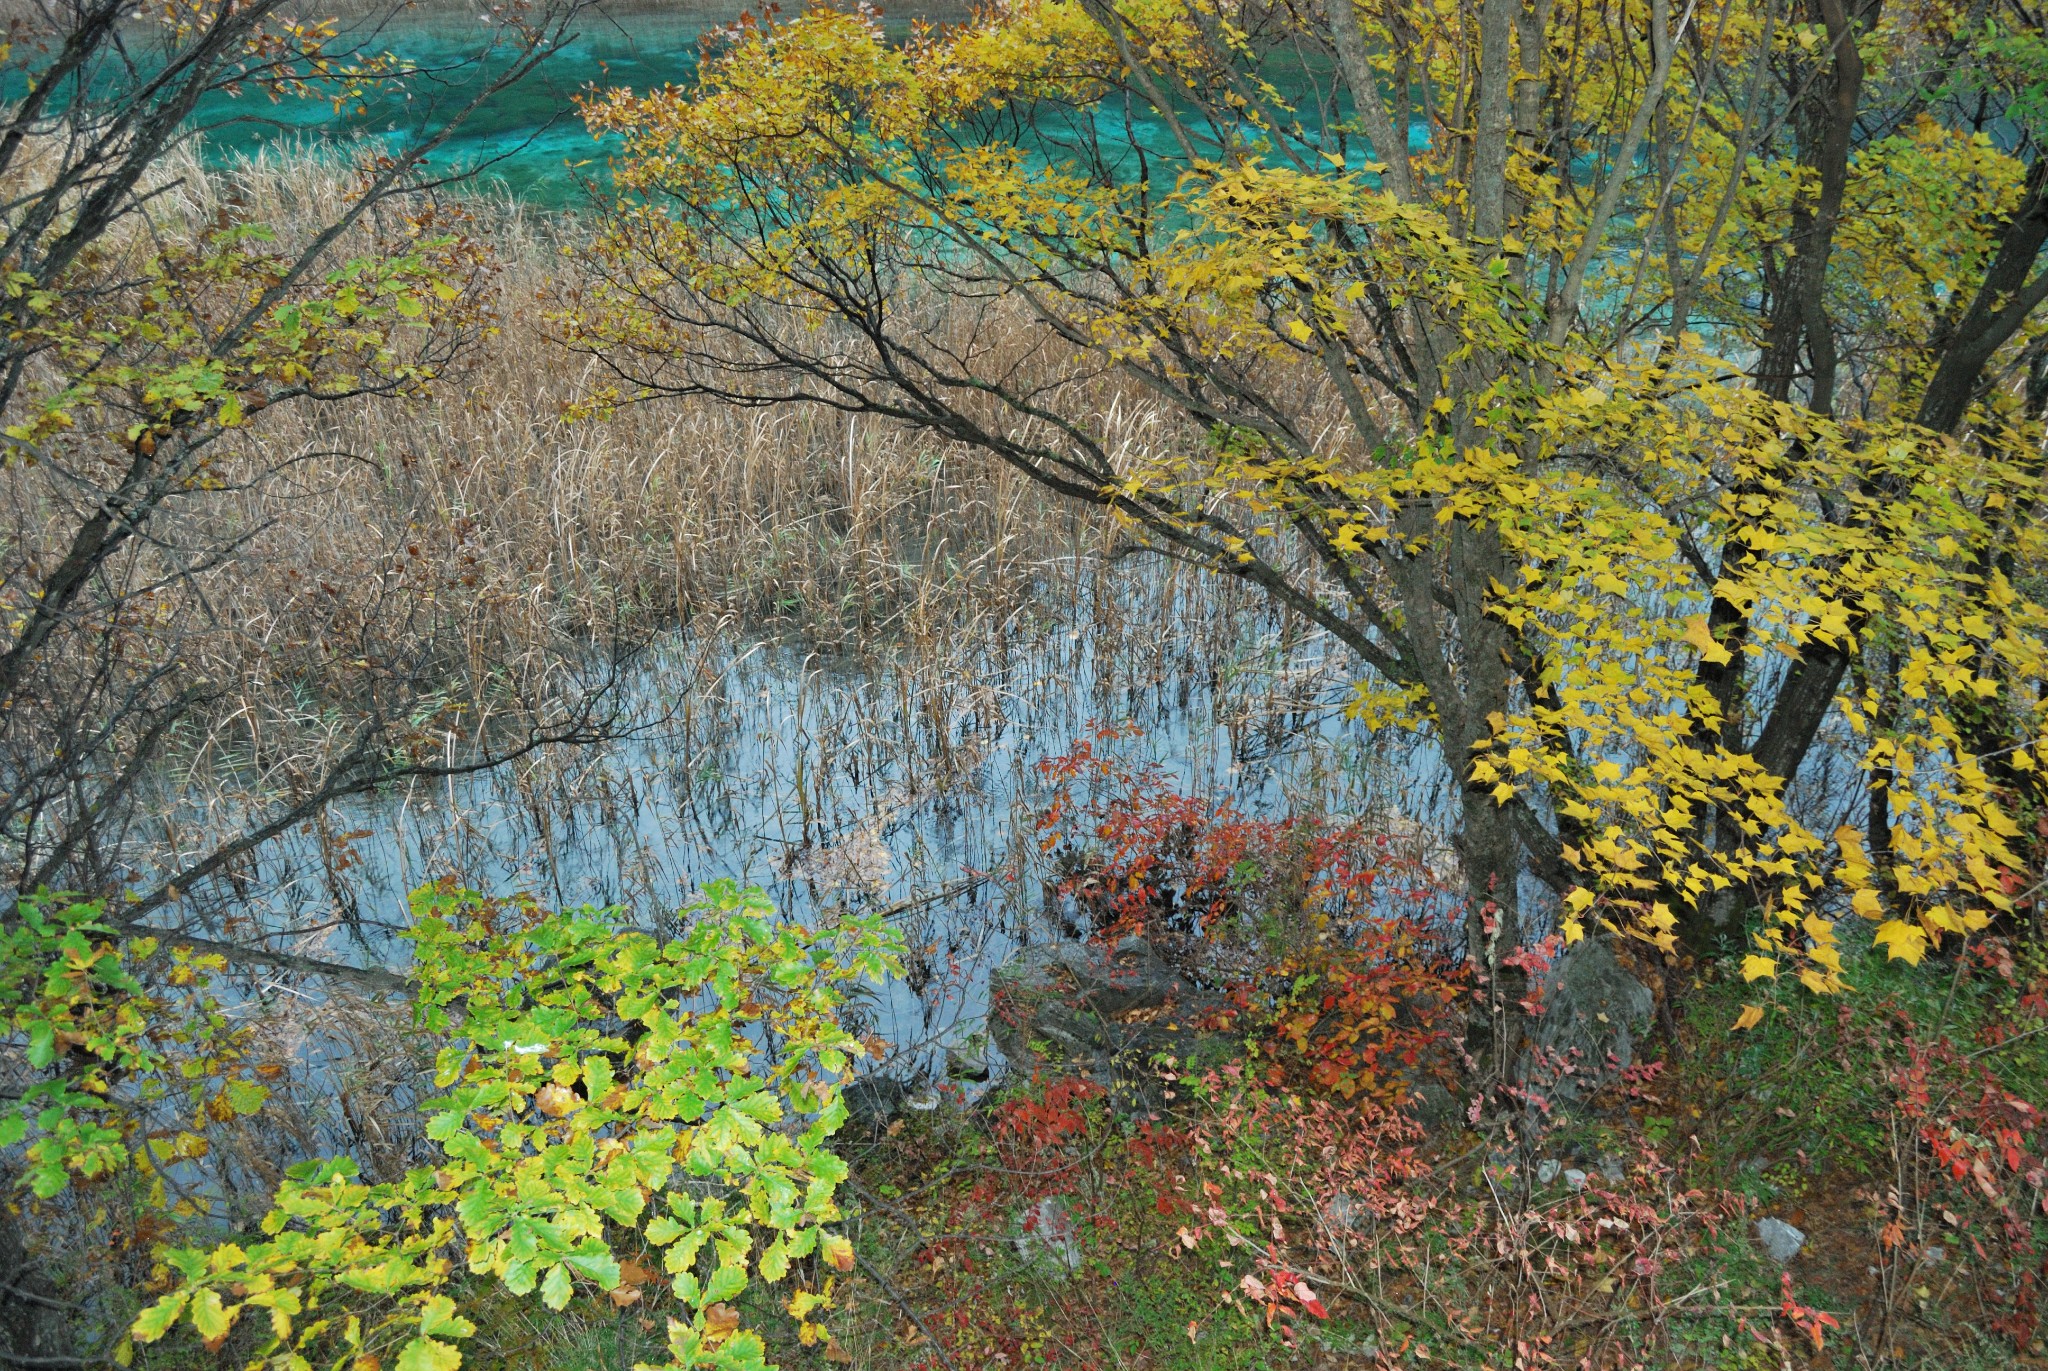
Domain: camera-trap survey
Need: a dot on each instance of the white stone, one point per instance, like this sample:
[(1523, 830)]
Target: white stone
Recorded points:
[(1047, 1240), (1781, 1241)]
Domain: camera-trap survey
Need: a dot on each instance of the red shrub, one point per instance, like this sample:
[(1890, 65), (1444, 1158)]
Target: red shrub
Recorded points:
[(1982, 1168), (1323, 937)]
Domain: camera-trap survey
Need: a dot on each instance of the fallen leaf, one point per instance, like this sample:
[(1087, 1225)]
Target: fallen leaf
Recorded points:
[(556, 1100)]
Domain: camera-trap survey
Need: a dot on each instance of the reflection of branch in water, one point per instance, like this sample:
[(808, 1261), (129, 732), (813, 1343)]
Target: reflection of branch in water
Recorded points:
[(366, 765)]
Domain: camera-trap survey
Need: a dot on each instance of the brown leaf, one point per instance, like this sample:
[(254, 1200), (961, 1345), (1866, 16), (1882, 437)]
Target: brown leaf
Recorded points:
[(557, 1100)]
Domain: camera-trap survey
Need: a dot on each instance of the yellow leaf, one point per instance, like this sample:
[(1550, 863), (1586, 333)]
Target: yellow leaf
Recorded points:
[(1754, 967), (1750, 1017), (1697, 634), (1302, 332), (1902, 941), (1865, 902)]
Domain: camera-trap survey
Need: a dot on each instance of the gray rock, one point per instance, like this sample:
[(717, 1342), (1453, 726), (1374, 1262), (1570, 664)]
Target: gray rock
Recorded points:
[(1079, 1005), (1574, 1178), (1594, 1011), (1131, 977), (968, 1061), (1047, 1241), (1780, 1240), (1033, 1008), (1547, 1170), (873, 1101), (1436, 1108), (1612, 1168)]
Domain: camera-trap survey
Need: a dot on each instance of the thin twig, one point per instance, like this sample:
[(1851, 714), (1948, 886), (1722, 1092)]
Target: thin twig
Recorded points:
[(903, 1303)]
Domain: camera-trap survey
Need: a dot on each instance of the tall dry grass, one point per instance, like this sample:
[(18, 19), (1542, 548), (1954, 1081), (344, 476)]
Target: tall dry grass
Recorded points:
[(788, 519), (422, 564)]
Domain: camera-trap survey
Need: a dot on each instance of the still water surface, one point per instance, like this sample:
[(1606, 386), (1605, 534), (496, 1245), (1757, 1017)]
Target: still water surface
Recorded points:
[(903, 780)]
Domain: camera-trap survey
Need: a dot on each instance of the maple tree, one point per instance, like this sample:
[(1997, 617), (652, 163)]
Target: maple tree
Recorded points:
[(1641, 392)]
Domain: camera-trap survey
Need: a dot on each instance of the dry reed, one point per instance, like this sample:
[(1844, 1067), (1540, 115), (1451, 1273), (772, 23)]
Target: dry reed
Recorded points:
[(786, 519)]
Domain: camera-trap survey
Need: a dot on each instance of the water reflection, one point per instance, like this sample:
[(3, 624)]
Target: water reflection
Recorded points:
[(904, 781)]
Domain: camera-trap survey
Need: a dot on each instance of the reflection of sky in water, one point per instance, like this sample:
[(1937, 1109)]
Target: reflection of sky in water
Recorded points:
[(885, 784)]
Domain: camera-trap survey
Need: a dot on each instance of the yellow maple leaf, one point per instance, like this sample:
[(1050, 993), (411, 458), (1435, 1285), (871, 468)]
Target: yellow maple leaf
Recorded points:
[(1902, 941), (1697, 634)]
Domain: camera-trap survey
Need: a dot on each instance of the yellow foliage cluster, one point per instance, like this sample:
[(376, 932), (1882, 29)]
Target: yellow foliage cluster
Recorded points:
[(1459, 402)]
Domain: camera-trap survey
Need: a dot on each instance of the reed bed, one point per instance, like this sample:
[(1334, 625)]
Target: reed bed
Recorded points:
[(788, 519), (853, 646), (476, 549)]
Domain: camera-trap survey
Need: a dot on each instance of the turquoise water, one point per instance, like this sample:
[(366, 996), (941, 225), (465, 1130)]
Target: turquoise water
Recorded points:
[(530, 138)]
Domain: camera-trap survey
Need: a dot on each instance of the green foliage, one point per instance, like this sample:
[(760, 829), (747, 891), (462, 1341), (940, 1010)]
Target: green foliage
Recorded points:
[(600, 1089), (150, 358), (113, 1054)]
